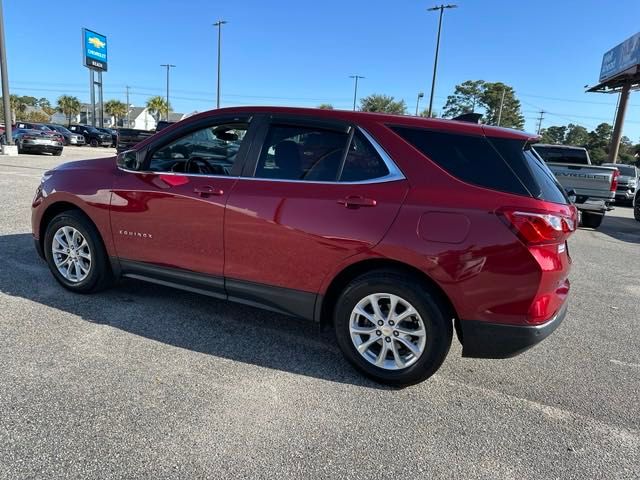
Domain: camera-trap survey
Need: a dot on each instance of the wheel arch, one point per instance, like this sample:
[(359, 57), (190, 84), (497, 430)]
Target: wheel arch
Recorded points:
[(326, 303)]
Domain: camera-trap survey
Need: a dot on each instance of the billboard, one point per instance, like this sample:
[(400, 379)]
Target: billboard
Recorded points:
[(621, 58), (94, 50)]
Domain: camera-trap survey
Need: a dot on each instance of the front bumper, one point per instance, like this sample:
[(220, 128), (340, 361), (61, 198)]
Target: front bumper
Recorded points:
[(493, 340)]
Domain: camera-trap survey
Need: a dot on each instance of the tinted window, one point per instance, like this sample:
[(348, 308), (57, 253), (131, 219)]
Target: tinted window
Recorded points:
[(301, 153), (362, 161), (562, 155), (209, 151), (530, 169), (469, 158)]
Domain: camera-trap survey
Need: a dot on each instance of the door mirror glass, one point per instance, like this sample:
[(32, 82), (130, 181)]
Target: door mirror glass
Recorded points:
[(129, 160)]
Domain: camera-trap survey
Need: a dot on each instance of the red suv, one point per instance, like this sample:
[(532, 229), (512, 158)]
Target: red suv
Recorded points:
[(395, 229)]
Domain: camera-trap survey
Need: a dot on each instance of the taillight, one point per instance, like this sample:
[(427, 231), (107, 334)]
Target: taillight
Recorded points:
[(536, 228), (614, 181)]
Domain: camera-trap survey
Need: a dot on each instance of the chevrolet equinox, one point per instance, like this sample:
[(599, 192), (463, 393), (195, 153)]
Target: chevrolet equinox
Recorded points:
[(396, 230)]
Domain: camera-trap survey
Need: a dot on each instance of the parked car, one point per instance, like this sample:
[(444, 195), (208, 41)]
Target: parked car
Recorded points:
[(130, 137), (627, 182), (594, 187), (113, 133), (332, 216), (36, 141), (70, 138), (92, 135), (41, 127)]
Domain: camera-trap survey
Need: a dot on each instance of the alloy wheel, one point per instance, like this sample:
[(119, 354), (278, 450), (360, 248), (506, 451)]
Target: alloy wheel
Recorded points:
[(387, 331), (71, 254)]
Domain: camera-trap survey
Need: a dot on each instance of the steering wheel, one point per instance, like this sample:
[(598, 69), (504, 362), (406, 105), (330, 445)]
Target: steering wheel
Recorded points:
[(197, 165)]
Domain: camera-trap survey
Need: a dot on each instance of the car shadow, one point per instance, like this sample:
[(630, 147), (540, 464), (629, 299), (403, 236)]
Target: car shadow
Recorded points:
[(621, 228), (182, 319)]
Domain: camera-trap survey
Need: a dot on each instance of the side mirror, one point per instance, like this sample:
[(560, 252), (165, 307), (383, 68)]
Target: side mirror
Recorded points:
[(129, 160), (572, 195)]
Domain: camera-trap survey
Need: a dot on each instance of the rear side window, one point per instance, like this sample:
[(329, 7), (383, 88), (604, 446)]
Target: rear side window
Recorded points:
[(472, 159), (362, 162), (530, 169), (506, 165)]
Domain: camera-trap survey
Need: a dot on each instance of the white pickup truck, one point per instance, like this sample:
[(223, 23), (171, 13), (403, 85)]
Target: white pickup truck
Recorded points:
[(593, 187)]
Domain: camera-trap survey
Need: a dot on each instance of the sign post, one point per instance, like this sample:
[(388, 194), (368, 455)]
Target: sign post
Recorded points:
[(94, 57)]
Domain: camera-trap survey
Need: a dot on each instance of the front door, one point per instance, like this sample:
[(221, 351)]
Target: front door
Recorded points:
[(171, 214)]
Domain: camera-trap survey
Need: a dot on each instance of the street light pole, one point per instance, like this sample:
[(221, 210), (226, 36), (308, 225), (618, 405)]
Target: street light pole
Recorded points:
[(5, 83), (355, 89), (435, 62), (420, 95), (219, 24), (167, 66)]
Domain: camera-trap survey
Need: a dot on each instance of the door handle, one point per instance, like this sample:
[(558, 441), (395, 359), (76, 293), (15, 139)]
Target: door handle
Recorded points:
[(355, 201), (208, 190)]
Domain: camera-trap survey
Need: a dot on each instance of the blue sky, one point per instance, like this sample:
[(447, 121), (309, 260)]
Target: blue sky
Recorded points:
[(300, 53)]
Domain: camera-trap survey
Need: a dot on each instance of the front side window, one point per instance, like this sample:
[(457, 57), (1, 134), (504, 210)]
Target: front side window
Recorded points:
[(318, 155), (208, 151)]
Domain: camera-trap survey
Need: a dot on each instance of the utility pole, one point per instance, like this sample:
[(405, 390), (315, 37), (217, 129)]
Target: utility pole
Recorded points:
[(355, 89), (127, 89), (5, 83), (435, 62), (614, 147), (420, 95), (219, 24), (540, 118), (504, 90), (168, 66)]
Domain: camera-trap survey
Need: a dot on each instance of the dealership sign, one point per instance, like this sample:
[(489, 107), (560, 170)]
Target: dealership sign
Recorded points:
[(621, 58), (94, 50)]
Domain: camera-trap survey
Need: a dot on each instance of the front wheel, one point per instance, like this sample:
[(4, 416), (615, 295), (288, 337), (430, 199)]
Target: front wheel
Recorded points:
[(75, 253), (94, 143), (591, 220), (392, 328)]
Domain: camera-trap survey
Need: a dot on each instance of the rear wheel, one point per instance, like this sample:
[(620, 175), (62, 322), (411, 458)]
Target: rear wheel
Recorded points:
[(392, 328), (591, 220), (75, 253)]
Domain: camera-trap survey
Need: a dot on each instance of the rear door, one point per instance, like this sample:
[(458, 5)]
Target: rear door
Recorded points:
[(170, 215), (312, 195)]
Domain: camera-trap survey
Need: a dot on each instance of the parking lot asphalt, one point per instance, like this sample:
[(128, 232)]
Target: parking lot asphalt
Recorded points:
[(143, 381)]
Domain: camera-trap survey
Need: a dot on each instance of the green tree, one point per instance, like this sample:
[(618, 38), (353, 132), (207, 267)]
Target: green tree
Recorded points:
[(69, 106), (18, 107), (600, 137), (325, 106), (425, 113), (466, 97), (158, 107), (383, 103), (116, 109), (554, 134), (491, 99), (576, 135), (45, 105)]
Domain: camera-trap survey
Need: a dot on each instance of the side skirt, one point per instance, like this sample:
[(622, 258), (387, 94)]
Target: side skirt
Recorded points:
[(287, 301)]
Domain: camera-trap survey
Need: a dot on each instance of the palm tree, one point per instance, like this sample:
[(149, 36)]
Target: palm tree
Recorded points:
[(158, 107), (18, 107), (116, 109), (69, 105)]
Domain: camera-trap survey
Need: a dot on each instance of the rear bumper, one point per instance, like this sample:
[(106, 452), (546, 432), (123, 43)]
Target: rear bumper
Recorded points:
[(492, 340)]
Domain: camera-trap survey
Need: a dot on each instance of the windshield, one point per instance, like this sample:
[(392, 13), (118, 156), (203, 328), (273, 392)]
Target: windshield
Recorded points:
[(60, 129)]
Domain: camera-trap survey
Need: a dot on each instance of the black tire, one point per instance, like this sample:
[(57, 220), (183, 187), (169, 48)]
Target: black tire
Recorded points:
[(94, 143), (100, 275), (435, 316), (20, 150), (591, 220), (636, 209), (57, 153)]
